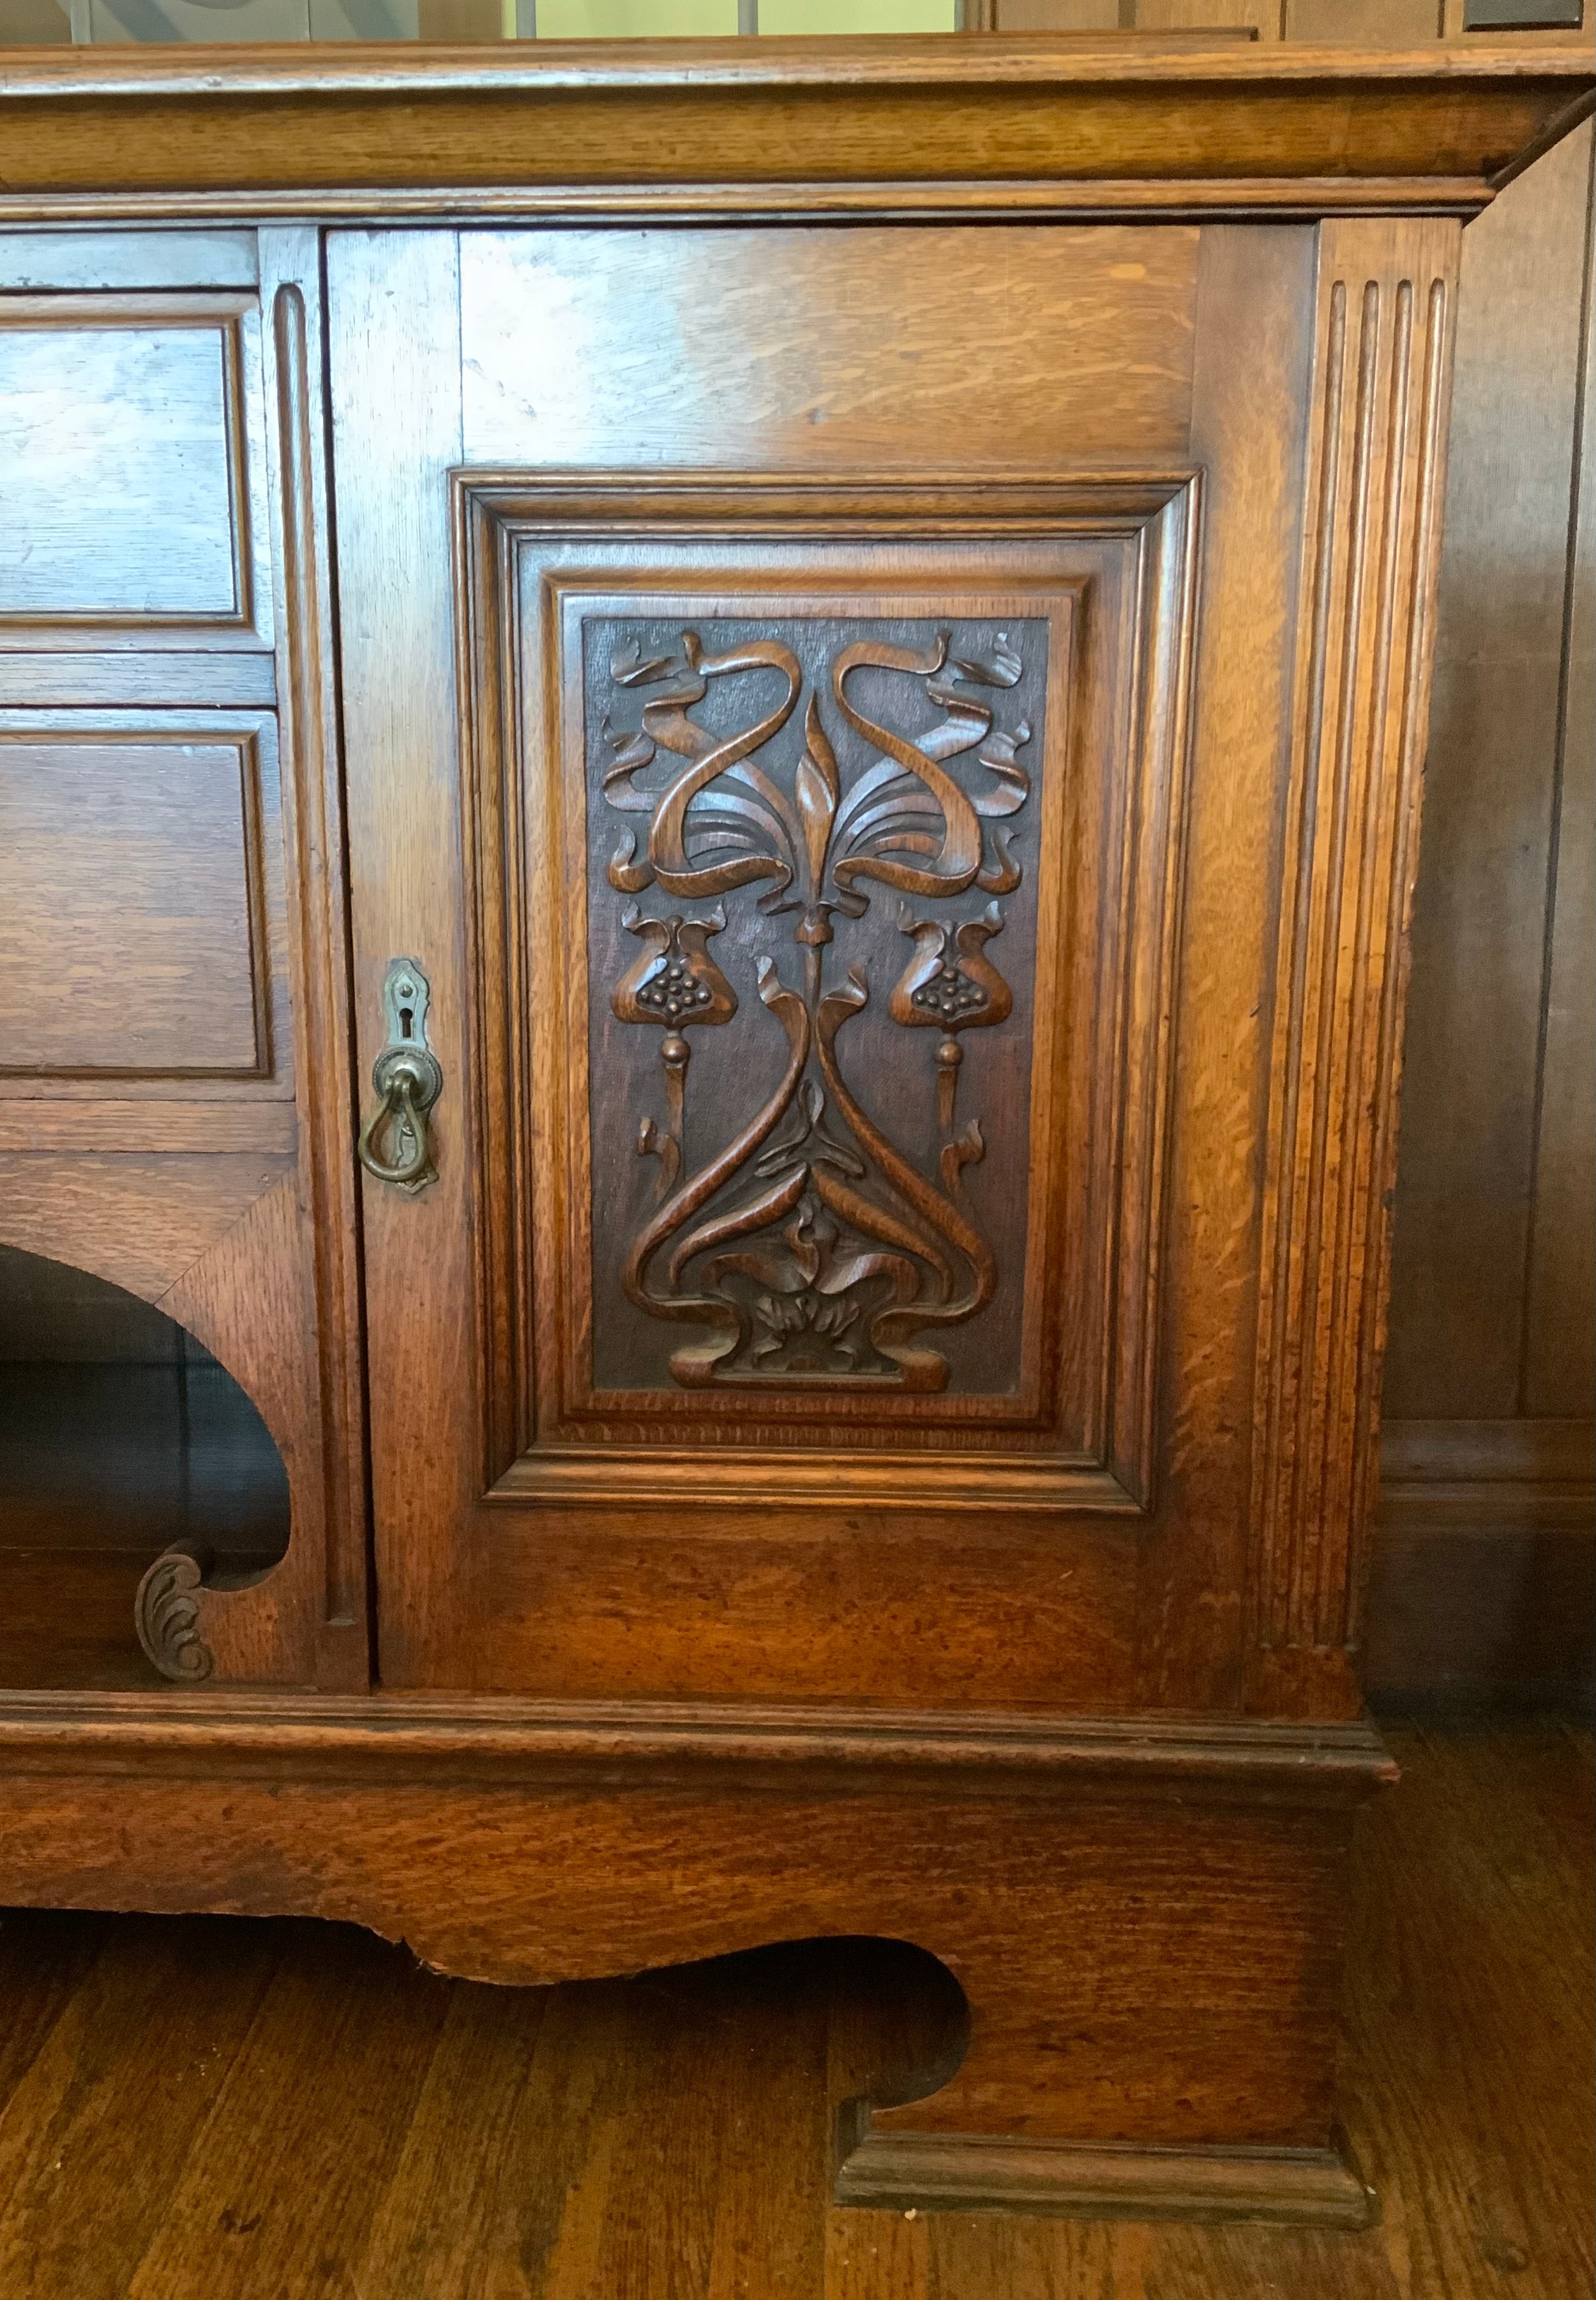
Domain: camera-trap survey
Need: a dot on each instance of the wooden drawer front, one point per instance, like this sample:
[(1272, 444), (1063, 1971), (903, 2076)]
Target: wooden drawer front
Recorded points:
[(140, 895), (130, 462)]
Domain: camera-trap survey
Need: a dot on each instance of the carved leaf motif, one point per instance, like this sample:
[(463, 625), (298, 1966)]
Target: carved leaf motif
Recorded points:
[(816, 788)]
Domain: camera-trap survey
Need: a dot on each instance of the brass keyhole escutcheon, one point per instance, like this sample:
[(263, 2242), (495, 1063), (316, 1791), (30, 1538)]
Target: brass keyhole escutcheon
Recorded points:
[(395, 1142)]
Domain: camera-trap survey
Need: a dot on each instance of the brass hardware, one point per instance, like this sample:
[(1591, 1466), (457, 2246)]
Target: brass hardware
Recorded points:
[(408, 1082)]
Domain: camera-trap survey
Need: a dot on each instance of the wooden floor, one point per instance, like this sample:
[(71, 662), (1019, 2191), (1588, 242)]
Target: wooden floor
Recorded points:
[(230, 2109)]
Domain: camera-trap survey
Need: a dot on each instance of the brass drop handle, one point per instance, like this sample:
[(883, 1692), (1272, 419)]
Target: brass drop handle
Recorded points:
[(408, 1080)]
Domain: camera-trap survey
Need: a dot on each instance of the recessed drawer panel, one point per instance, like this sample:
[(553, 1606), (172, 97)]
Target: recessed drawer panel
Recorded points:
[(138, 895), (127, 432)]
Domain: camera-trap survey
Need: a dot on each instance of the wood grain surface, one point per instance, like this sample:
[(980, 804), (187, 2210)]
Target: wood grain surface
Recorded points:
[(680, 113), (1194, 1876), (213, 2109)]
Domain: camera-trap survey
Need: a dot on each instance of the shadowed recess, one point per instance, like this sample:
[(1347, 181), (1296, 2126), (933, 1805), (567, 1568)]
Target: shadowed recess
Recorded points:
[(119, 1435)]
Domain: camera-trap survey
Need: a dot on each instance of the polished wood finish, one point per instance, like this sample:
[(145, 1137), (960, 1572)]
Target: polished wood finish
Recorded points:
[(1483, 1577), (1365, 636), (491, 1820), (978, 1565), (141, 890), (183, 1128), (130, 460), (333, 2118), (1096, 127)]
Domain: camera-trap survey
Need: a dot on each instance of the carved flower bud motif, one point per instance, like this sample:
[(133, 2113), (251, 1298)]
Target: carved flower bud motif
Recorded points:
[(673, 981), (950, 981)]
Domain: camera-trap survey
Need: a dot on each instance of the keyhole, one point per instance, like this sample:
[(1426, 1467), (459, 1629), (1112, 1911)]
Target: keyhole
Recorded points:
[(406, 1015)]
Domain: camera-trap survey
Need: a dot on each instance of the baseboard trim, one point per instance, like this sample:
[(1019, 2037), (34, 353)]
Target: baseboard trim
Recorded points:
[(1288, 2187), (1483, 1564), (237, 1734)]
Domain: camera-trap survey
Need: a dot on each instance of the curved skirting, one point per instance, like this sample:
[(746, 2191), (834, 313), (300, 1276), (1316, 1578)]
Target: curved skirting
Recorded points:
[(1143, 1914)]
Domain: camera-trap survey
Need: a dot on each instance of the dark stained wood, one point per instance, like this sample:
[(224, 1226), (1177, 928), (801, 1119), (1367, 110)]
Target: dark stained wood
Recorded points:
[(1559, 1375), (1484, 1579), (1481, 1582), (671, 2136), (67, 1616), (191, 1995), (1465, 1183)]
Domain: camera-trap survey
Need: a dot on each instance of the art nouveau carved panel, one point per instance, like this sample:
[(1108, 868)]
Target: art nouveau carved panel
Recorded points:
[(823, 925)]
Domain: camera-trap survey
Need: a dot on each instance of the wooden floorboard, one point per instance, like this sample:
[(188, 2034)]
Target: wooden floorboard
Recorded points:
[(230, 2109)]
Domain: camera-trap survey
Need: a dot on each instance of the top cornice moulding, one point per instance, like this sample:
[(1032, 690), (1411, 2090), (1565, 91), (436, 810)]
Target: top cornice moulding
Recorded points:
[(947, 63), (1153, 124)]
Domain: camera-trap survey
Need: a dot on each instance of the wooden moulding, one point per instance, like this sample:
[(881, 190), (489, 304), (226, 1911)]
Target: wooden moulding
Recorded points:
[(1431, 128), (1089, 2066), (1291, 2187)]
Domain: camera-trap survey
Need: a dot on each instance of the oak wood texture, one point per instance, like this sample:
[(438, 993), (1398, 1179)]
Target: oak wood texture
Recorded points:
[(476, 1828), (1558, 1374), (147, 961), (1089, 1406), (1364, 641), (701, 350), (128, 1147), (334, 2119), (133, 890), (130, 463), (807, 1617), (54, 680), (1442, 123), (1210, 458), (61, 261)]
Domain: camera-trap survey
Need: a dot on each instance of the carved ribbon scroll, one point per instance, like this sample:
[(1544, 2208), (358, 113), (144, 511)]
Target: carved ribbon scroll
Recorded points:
[(810, 1244)]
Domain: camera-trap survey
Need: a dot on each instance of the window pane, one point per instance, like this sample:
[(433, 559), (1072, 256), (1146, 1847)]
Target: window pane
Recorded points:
[(631, 20), (857, 16)]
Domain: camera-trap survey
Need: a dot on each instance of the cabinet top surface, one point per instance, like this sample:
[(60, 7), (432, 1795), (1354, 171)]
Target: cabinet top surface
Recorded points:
[(1022, 123)]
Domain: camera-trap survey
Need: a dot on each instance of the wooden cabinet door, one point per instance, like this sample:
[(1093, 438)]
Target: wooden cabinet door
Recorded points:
[(767, 656)]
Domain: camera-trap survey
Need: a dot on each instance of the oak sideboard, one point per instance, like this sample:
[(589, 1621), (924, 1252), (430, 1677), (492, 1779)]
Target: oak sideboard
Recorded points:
[(710, 761)]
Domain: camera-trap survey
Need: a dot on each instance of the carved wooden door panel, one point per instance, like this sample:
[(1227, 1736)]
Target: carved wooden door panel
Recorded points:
[(767, 661)]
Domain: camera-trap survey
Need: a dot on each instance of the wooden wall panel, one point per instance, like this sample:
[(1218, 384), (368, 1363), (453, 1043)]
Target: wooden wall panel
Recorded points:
[(1466, 1177), (1368, 23), (1485, 1561), (1560, 1358)]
